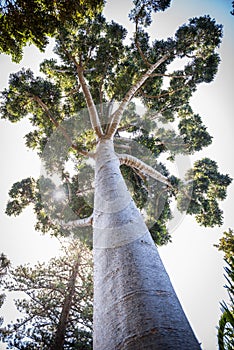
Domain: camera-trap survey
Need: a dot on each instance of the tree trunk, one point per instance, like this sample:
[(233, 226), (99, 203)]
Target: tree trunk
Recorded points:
[(59, 338), (135, 306)]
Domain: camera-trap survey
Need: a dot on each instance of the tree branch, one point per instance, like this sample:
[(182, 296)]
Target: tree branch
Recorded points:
[(94, 118), (160, 95), (76, 223), (60, 127), (136, 163), (93, 114), (116, 116), (169, 75), (139, 48)]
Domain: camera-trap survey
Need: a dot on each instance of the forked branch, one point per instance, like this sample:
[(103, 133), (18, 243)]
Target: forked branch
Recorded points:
[(116, 116)]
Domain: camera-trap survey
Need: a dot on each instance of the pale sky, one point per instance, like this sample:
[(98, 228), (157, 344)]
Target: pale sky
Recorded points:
[(193, 264)]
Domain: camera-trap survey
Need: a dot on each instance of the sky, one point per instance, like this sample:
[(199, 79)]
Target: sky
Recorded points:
[(194, 265)]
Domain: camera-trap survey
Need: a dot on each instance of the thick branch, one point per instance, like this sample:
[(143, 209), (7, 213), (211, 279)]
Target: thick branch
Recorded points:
[(94, 118), (76, 223), (116, 116), (142, 167)]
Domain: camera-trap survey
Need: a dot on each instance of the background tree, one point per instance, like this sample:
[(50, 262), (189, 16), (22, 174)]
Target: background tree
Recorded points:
[(56, 302), (226, 322), (4, 265), (96, 67)]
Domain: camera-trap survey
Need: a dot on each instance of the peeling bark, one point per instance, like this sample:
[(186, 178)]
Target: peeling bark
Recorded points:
[(135, 305)]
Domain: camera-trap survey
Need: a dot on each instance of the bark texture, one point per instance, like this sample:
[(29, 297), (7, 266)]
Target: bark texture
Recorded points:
[(135, 305), (59, 339)]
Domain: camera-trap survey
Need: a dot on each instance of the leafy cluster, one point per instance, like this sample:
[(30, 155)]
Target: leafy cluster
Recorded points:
[(205, 186), (143, 9), (61, 202), (23, 22)]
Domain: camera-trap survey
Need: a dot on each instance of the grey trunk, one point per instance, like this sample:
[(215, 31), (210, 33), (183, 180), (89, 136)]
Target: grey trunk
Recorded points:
[(59, 339), (135, 305)]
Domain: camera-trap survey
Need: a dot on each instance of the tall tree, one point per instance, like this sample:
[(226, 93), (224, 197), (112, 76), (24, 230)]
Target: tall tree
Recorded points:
[(226, 322), (133, 296), (56, 303)]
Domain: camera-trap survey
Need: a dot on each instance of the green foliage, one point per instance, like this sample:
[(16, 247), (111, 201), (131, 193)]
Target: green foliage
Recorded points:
[(46, 290), (202, 35), (193, 132), (225, 332), (226, 322), (32, 21), (111, 67), (138, 188), (143, 10), (226, 244), (27, 192), (206, 187)]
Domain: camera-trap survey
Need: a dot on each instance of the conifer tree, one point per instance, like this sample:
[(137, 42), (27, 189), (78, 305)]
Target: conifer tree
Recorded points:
[(55, 301)]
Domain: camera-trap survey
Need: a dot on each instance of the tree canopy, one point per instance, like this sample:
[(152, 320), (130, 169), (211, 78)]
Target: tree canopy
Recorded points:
[(96, 66)]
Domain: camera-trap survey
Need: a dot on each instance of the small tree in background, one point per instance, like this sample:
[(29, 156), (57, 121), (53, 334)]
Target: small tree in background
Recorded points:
[(56, 302)]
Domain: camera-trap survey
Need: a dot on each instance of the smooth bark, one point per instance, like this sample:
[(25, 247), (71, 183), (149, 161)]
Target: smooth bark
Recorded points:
[(135, 305), (136, 163)]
